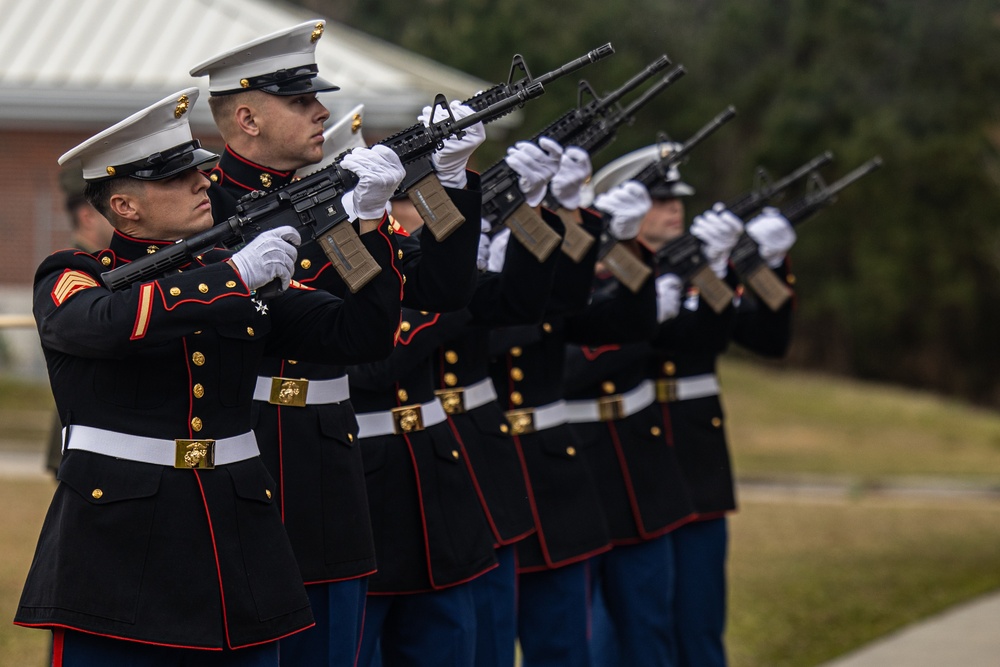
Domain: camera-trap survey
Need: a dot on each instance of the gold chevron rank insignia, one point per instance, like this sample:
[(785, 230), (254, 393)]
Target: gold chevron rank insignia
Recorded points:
[(69, 283)]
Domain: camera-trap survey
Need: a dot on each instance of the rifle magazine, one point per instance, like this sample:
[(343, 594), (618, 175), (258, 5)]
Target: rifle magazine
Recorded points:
[(577, 241), (626, 267), (532, 232), (716, 293), (435, 207), (770, 288), (352, 261)]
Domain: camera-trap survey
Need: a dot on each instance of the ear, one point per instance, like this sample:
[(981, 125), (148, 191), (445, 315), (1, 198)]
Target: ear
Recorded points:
[(246, 120), (124, 206)]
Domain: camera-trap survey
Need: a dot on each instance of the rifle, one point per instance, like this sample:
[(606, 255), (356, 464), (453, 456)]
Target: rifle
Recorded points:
[(593, 138), (421, 184), (746, 256), (503, 201), (312, 205), (682, 255)]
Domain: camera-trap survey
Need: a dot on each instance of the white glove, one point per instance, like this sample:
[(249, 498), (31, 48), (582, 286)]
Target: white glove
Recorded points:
[(668, 296), (450, 160), (271, 255), (347, 201), (774, 235), (498, 250), (627, 204), (574, 171), (483, 257), (718, 229), (380, 172), (536, 165)]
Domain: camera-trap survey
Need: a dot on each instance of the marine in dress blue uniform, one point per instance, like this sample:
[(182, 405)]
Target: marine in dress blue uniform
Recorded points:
[(303, 417), (681, 362), (151, 549)]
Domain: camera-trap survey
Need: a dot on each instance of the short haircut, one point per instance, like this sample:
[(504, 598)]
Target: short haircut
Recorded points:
[(223, 108), (98, 193)]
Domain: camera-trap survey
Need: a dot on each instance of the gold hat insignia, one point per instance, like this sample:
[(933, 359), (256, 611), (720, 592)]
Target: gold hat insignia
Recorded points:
[(317, 33), (182, 106), (356, 123)]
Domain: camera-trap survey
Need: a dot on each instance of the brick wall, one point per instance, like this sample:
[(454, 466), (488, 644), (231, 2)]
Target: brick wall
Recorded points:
[(33, 221)]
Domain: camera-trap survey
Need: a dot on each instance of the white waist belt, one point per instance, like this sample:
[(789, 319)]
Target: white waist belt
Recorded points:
[(462, 399), (529, 420), (607, 408), (298, 392), (683, 389), (404, 419), (176, 453)]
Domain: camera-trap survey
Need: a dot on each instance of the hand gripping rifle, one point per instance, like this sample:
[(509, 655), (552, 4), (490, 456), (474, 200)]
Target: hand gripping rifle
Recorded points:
[(312, 205), (745, 256), (503, 201), (626, 267), (683, 255), (421, 184), (593, 138)]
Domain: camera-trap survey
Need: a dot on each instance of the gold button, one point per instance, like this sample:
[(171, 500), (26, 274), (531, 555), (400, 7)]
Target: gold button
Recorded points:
[(230, 284), (175, 291), (516, 398), (716, 422), (203, 288), (292, 361), (515, 352), (399, 254), (350, 437), (250, 330), (244, 83), (423, 312), (571, 451), (106, 261), (198, 390), (454, 453), (267, 492), (547, 328), (608, 387), (198, 358), (451, 357), (404, 326), (214, 178), (655, 430), (504, 428), (669, 368), (305, 264), (404, 278), (196, 423), (790, 279), (196, 333), (150, 249), (403, 396), (516, 374), (97, 493), (450, 379)]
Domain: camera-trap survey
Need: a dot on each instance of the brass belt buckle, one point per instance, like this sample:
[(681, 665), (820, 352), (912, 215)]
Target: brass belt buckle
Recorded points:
[(521, 421), (610, 407), (407, 418), (666, 390), (194, 454), (452, 400), (288, 391)]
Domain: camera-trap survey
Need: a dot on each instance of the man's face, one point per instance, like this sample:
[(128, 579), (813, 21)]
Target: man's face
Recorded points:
[(663, 223), (291, 130), (173, 208)]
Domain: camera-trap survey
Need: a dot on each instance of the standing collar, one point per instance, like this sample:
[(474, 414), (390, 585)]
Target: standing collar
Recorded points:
[(236, 173)]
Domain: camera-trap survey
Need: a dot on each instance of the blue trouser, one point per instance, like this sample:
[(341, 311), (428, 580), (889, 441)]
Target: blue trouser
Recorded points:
[(495, 596), (700, 592), (633, 624), (78, 649), (436, 629), (553, 617), (339, 610)]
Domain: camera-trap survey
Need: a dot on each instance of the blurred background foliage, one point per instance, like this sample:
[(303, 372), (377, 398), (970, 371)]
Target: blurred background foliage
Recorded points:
[(899, 280)]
